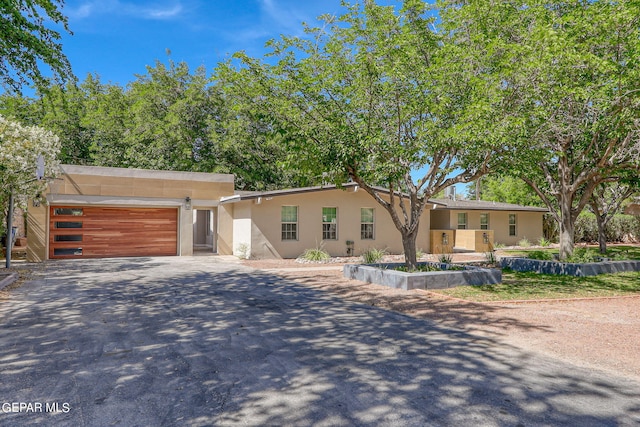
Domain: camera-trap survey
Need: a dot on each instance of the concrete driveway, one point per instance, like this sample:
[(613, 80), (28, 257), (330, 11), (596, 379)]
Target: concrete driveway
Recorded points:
[(197, 341)]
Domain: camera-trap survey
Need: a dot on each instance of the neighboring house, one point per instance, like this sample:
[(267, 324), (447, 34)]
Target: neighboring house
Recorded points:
[(108, 212)]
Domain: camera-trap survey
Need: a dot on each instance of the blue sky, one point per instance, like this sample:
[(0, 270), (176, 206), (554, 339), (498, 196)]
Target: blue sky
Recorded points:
[(117, 38)]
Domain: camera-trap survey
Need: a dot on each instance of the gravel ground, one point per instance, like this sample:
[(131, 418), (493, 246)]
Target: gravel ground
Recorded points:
[(601, 333)]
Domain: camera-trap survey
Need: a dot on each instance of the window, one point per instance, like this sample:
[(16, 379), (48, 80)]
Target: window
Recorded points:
[(512, 225), (462, 221), (67, 224), (329, 223), (289, 218), (68, 211), (484, 221), (366, 224)]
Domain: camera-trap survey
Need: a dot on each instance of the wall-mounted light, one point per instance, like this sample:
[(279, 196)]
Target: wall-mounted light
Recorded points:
[(187, 203), (445, 239), (36, 202), (485, 238)]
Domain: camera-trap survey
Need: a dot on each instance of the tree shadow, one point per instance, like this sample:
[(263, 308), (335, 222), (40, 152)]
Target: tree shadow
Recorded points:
[(175, 342)]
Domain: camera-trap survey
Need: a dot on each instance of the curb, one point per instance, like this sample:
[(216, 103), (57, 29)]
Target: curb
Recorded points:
[(8, 280)]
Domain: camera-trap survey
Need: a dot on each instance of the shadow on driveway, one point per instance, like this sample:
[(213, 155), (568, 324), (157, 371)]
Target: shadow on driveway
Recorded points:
[(194, 341)]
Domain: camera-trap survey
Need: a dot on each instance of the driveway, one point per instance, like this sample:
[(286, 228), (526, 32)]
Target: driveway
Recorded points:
[(197, 341)]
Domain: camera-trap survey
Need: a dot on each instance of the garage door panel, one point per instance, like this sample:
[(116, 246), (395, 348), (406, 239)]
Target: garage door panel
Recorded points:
[(112, 232)]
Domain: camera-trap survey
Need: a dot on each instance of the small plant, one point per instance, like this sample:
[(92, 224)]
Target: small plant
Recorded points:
[(490, 257), (373, 255), (316, 255), (497, 245), (583, 255), (544, 242), (445, 258), (540, 255), (243, 251), (524, 243), (419, 253)]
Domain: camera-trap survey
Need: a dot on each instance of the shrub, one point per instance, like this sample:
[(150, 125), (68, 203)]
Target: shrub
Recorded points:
[(373, 255), (242, 251), (490, 257), (544, 242), (316, 255), (445, 258), (525, 243), (540, 255)]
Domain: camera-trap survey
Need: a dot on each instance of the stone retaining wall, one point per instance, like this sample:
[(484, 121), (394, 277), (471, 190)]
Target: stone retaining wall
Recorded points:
[(384, 274), (566, 268)]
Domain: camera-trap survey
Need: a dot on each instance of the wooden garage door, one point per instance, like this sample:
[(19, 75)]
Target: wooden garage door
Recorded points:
[(100, 232)]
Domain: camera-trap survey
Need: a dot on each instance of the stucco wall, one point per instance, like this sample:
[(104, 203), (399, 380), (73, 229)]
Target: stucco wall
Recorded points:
[(528, 224), (267, 240)]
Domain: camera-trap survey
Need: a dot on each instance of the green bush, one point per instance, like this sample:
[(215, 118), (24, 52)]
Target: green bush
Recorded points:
[(525, 243), (621, 228), (544, 242), (373, 255), (445, 258), (540, 255), (316, 255)]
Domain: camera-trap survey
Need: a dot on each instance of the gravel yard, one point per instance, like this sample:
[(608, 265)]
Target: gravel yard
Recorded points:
[(602, 333)]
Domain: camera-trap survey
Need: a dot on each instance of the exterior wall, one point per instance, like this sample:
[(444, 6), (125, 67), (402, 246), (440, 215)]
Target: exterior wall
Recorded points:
[(440, 219), (528, 225), (266, 238), (242, 229), (225, 229), (85, 185)]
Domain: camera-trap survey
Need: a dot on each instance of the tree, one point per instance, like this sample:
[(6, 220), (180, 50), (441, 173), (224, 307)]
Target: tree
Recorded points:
[(506, 189), (569, 75), (608, 199), (368, 97), (26, 42), (20, 147)]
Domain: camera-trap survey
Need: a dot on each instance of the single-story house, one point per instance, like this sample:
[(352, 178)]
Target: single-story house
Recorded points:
[(90, 212)]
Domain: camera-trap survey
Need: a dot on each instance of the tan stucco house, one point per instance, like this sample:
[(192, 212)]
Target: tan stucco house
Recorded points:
[(90, 212)]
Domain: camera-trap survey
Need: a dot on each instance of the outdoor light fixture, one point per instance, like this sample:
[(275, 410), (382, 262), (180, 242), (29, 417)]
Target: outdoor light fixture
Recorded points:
[(485, 238), (187, 203), (36, 202), (445, 239)]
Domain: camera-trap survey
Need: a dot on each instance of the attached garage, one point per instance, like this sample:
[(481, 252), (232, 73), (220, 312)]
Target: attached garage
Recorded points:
[(90, 232), (99, 212)]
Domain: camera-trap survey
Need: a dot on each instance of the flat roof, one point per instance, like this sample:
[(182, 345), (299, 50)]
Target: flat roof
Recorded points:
[(469, 205), (146, 173)]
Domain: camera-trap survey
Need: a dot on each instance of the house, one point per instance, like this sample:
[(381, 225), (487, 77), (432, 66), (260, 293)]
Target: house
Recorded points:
[(113, 212)]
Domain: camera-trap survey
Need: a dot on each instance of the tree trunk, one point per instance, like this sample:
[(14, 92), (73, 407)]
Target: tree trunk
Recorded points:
[(567, 233), (409, 245), (602, 233)]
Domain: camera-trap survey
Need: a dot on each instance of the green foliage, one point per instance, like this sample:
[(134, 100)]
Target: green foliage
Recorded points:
[(243, 251), (544, 242), (373, 255), (620, 228), (490, 257), (506, 189), (525, 243), (316, 255), (27, 43), (445, 258), (540, 255)]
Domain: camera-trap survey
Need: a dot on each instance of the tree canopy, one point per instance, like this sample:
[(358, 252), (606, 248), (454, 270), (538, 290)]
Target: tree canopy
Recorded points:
[(28, 39), (368, 97)]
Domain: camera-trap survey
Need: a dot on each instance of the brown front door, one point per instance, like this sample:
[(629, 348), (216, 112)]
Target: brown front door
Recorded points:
[(101, 232)]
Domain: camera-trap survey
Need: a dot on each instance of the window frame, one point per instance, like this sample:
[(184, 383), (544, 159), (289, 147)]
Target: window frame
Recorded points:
[(486, 225), (288, 227), (464, 225), (513, 224), (330, 228), (367, 223)]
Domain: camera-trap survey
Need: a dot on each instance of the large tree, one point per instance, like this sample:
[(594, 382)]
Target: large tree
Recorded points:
[(569, 73), (371, 97), (29, 39)]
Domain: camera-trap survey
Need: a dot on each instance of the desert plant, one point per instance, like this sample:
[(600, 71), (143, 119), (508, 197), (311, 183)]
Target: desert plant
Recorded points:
[(524, 243), (445, 258), (316, 255), (490, 257), (419, 253), (544, 242), (243, 251), (497, 245), (373, 255)]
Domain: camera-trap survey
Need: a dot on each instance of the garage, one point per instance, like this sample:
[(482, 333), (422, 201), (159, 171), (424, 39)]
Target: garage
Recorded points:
[(101, 232)]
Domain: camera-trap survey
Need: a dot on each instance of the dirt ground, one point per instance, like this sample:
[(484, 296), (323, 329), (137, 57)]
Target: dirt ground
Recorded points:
[(601, 333)]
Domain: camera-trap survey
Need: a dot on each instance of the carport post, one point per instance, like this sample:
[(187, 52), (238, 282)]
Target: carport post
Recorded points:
[(9, 239)]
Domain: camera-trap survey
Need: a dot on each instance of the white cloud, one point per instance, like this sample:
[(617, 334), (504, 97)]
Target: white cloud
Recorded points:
[(91, 8)]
